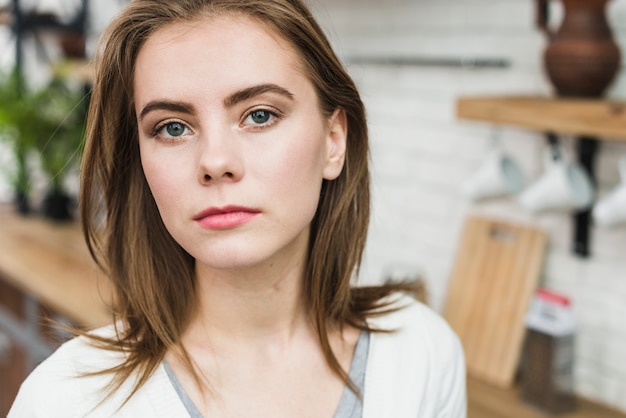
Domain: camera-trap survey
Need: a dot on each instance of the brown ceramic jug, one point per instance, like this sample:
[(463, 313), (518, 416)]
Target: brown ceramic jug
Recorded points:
[(581, 58)]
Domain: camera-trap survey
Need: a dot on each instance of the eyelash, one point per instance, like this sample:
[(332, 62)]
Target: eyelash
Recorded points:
[(275, 114), (156, 132)]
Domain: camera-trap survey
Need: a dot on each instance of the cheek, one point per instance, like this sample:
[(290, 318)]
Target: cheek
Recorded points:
[(307, 150), (298, 170), (162, 180)]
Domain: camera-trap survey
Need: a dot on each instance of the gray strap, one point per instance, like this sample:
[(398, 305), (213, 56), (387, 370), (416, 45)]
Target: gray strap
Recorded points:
[(350, 406), (189, 405)]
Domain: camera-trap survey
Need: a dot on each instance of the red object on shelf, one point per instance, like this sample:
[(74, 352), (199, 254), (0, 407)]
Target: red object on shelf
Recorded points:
[(553, 297)]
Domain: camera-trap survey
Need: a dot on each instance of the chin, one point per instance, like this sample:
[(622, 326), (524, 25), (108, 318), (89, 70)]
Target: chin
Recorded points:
[(228, 258)]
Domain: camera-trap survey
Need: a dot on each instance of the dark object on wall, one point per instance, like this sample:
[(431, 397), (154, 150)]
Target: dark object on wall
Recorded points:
[(57, 206), (73, 45), (27, 23), (22, 203), (473, 63), (581, 58)]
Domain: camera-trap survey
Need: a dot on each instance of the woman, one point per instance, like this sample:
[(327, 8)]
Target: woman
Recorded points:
[(229, 147)]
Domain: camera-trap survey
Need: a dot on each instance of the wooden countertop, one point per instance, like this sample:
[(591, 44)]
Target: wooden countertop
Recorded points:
[(50, 261), (488, 401), (581, 117)]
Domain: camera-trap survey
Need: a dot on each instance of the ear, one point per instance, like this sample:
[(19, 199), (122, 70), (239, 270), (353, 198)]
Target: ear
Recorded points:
[(336, 138)]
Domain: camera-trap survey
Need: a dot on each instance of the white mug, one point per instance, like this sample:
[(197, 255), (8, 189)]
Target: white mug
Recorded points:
[(499, 175), (564, 186), (611, 210)]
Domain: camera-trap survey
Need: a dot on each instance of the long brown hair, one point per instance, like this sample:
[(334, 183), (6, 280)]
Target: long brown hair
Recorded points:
[(152, 275)]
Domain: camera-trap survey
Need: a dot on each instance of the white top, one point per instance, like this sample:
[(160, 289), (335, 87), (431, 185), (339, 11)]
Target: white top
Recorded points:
[(416, 372)]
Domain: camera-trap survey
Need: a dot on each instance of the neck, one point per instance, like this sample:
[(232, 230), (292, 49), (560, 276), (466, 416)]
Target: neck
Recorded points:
[(258, 304)]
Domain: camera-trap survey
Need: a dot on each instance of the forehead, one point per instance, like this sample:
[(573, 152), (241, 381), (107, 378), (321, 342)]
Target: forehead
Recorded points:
[(216, 49), (212, 25)]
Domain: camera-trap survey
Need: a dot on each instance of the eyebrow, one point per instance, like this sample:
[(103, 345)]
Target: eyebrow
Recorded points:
[(165, 105), (232, 100), (250, 92)]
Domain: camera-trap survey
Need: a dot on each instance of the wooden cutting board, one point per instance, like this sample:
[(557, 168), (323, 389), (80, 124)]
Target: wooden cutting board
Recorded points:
[(496, 271)]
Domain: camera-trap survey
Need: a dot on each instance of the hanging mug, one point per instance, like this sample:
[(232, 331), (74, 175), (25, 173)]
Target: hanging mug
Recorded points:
[(499, 175), (611, 210), (564, 186)]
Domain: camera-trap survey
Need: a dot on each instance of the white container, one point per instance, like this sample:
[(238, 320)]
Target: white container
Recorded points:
[(551, 313)]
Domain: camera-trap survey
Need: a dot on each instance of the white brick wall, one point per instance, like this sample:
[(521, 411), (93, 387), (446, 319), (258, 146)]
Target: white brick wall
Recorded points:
[(421, 154)]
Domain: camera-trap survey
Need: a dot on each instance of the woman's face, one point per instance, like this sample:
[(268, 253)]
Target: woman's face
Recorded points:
[(233, 144)]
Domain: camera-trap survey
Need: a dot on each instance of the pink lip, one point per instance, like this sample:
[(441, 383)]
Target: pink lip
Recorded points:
[(225, 217)]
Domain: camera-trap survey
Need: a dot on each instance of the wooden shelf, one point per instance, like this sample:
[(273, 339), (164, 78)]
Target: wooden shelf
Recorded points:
[(51, 262), (580, 117)]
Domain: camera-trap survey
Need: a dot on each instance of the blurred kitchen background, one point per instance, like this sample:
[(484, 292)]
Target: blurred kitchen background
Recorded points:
[(415, 62)]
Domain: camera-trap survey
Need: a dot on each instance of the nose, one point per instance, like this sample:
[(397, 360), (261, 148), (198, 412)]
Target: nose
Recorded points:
[(219, 159)]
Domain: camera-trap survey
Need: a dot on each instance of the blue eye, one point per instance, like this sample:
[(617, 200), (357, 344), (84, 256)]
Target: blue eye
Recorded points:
[(260, 116), (175, 129)]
